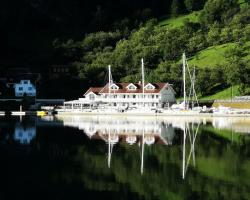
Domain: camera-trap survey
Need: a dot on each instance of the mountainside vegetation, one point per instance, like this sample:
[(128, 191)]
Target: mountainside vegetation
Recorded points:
[(214, 34), (216, 39)]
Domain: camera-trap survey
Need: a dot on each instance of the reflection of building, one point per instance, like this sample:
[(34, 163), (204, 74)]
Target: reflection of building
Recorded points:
[(237, 124), (143, 131), (123, 130), (25, 87), (24, 135)]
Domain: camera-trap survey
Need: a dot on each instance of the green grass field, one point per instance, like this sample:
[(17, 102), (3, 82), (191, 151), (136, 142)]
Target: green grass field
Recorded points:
[(214, 55), (224, 94), (179, 21)]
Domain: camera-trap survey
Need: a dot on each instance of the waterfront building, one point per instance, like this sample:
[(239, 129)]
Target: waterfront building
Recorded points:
[(25, 87), (126, 95)]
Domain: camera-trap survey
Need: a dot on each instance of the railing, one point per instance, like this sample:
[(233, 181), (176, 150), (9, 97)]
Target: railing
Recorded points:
[(132, 100)]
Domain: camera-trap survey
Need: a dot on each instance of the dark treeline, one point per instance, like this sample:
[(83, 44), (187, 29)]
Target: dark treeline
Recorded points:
[(28, 27), (89, 35), (220, 22)]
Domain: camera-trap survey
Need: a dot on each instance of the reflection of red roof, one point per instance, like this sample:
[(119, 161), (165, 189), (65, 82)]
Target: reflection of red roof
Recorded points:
[(95, 90), (122, 138)]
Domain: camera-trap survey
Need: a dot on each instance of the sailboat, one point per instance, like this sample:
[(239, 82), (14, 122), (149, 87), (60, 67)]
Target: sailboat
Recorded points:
[(143, 109), (184, 106)]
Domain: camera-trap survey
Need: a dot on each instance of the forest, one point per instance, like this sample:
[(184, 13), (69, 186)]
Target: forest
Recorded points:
[(90, 35)]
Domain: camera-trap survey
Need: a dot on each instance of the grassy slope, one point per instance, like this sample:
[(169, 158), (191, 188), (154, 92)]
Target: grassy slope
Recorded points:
[(214, 55), (224, 94), (211, 56), (178, 21)]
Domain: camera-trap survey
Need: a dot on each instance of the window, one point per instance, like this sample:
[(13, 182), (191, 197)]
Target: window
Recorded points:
[(149, 86), (134, 96), (29, 88), (91, 96), (20, 88), (131, 86), (114, 87), (25, 82), (157, 96)]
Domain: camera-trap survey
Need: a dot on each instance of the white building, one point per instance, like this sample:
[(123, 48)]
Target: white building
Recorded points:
[(25, 87), (153, 95)]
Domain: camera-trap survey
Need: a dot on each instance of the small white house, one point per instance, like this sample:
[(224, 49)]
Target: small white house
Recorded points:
[(25, 87)]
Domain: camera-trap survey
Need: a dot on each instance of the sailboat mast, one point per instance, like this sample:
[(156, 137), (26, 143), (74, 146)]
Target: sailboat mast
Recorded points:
[(142, 74), (184, 78), (109, 82)]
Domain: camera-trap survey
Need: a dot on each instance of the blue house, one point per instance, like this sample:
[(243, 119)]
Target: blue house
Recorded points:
[(25, 87)]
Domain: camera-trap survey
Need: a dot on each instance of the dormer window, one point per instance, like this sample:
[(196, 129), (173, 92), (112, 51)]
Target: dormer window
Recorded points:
[(114, 87), (131, 86), (25, 82), (149, 86)]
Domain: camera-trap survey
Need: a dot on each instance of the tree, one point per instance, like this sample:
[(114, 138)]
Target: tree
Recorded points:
[(192, 5), (219, 11), (176, 8), (238, 70)]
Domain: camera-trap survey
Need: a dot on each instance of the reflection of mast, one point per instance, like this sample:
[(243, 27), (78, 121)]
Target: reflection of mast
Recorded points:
[(142, 152), (192, 133), (110, 152), (184, 152)]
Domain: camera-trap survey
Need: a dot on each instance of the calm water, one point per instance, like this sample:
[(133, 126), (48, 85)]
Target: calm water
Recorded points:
[(124, 158)]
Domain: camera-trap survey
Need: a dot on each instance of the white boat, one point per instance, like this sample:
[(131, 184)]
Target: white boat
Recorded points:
[(17, 113)]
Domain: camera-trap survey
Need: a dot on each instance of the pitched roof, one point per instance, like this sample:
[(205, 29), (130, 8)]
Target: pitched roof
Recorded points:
[(95, 90), (123, 88)]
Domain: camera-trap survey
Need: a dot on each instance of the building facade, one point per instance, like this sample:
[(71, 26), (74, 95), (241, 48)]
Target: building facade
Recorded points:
[(124, 95), (25, 87)]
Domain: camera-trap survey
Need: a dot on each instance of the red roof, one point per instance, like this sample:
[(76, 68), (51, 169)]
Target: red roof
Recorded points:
[(123, 89), (95, 90)]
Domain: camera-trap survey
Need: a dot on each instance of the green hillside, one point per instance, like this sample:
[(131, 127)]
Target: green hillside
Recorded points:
[(215, 39), (224, 94), (215, 55), (176, 22)]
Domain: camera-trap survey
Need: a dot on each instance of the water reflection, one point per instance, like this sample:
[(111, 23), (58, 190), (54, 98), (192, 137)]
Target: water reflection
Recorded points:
[(134, 158), (24, 134), (150, 130), (140, 131)]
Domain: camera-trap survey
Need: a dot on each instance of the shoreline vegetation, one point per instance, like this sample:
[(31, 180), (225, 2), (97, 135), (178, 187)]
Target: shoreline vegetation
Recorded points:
[(214, 34)]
